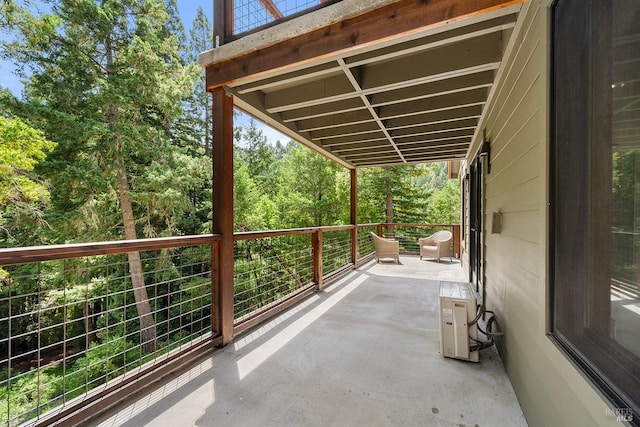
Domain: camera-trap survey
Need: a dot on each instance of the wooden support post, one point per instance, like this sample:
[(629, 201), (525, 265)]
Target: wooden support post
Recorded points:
[(456, 241), (316, 244), (354, 216), (379, 230), (223, 212)]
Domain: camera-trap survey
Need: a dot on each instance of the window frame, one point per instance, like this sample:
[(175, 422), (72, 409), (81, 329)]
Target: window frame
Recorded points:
[(576, 318)]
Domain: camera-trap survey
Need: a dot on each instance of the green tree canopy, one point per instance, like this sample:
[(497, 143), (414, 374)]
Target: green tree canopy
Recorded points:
[(444, 204), (21, 148), (308, 190), (108, 83), (393, 194), (23, 195)]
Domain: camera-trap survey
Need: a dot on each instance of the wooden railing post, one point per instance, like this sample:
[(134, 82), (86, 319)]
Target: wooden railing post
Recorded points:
[(456, 240), (223, 211), (354, 245), (316, 243), (222, 21), (354, 216), (379, 230)]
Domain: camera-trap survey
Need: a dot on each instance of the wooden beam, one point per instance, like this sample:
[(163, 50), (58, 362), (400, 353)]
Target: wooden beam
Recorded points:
[(24, 255), (223, 212), (400, 18), (454, 135), (437, 103), (272, 9), (339, 120), (347, 130), (432, 117)]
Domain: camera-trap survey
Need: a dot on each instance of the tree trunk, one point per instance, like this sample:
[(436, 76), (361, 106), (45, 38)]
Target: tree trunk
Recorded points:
[(147, 324), (89, 329), (389, 205)]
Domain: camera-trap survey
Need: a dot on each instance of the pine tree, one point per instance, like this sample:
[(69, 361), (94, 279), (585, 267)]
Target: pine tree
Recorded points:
[(308, 189), (107, 84), (392, 195), (259, 157), (173, 25), (198, 108)]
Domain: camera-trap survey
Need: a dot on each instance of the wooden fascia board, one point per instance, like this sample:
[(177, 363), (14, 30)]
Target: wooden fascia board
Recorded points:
[(397, 19)]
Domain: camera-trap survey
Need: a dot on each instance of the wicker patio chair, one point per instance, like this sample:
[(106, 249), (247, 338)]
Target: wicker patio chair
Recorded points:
[(437, 245), (386, 248)]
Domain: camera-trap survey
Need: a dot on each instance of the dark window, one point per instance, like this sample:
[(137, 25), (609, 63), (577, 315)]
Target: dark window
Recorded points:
[(595, 194), (463, 204)]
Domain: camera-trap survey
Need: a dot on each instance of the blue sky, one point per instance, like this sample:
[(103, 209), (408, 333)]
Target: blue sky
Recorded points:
[(188, 10)]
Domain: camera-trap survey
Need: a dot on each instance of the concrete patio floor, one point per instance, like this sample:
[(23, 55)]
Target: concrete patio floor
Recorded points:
[(363, 352)]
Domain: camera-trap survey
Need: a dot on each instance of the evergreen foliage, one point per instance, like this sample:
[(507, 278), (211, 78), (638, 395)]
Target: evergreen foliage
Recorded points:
[(23, 195)]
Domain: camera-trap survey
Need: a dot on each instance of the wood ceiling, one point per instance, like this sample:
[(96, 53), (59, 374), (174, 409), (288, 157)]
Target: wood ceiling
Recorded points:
[(389, 99)]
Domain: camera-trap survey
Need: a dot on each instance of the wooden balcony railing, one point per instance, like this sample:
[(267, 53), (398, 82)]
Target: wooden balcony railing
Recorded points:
[(69, 328), (70, 341)]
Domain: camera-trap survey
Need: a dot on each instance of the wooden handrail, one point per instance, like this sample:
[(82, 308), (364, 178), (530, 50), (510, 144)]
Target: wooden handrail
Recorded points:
[(403, 224), (250, 235), (11, 256), (337, 228)]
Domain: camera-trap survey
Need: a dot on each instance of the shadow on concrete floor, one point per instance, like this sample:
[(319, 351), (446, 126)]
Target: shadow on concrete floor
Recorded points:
[(362, 352)]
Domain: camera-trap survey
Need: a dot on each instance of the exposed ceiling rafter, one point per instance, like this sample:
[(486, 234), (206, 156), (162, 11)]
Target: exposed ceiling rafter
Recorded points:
[(402, 84)]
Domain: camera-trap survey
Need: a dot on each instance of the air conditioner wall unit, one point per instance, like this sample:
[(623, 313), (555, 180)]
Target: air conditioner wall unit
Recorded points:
[(457, 306)]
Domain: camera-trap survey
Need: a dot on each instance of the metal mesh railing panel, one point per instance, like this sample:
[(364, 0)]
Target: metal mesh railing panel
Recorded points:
[(268, 269), (250, 14), (71, 327), (365, 243), (336, 250)]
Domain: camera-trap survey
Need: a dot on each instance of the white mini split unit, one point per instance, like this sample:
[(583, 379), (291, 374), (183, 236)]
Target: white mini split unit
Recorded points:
[(457, 309)]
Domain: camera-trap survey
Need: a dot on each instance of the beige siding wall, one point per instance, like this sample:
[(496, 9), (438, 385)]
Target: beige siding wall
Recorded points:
[(551, 391)]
